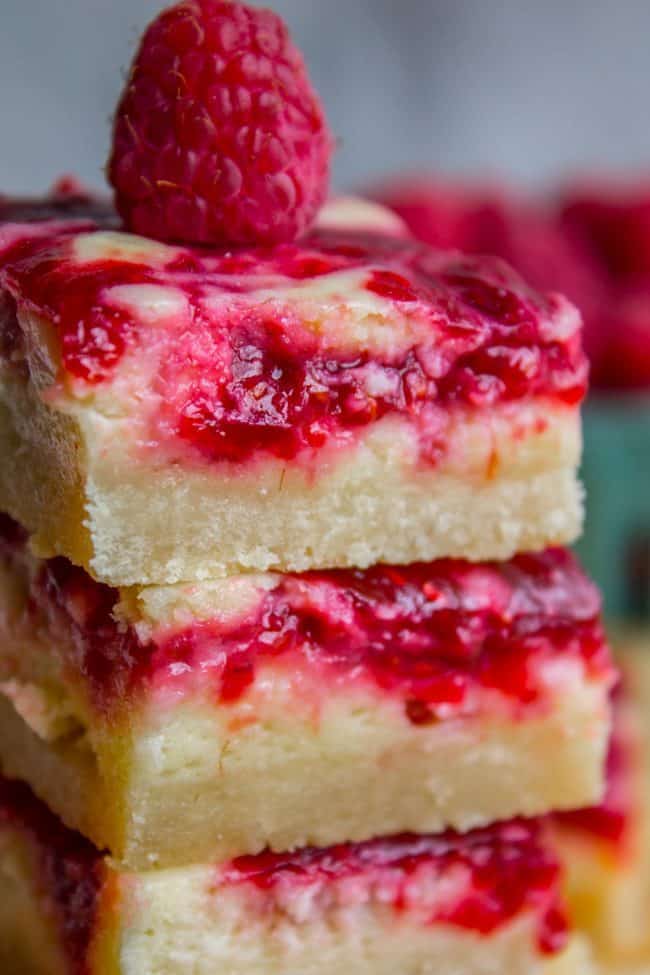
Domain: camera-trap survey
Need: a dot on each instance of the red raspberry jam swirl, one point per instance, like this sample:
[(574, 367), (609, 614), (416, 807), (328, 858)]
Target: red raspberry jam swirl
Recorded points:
[(71, 870), (251, 376), (436, 637), (508, 872)]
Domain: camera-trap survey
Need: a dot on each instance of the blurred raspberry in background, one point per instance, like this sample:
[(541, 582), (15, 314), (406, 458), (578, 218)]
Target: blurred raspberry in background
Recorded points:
[(588, 241)]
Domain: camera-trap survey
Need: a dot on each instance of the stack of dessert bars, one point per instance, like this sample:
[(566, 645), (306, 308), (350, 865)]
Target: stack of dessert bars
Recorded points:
[(292, 665)]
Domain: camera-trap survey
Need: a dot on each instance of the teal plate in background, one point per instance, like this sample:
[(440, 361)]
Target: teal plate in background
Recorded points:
[(615, 548)]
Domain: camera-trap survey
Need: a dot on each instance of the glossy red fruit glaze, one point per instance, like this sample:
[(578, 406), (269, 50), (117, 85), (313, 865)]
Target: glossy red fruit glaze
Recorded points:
[(71, 871), (437, 638), (283, 395), (507, 870), (219, 136), (92, 334), (491, 219), (387, 284), (287, 392), (432, 635), (251, 376)]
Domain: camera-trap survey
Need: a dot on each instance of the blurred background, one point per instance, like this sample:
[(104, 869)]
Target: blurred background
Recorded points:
[(498, 103), (526, 88)]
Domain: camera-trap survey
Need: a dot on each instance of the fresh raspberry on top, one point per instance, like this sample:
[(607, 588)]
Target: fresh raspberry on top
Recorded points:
[(219, 136)]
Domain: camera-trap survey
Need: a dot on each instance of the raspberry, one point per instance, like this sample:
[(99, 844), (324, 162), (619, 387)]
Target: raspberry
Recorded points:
[(626, 330), (219, 136), (487, 219), (614, 220)]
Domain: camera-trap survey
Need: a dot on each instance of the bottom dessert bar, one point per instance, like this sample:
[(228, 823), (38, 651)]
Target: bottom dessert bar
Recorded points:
[(485, 902), (606, 848)]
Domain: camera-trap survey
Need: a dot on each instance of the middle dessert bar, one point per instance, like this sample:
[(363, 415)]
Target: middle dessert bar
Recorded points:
[(175, 724)]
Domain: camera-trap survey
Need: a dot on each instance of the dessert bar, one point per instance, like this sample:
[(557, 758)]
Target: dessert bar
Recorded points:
[(170, 413), (178, 723), (479, 903), (606, 848)]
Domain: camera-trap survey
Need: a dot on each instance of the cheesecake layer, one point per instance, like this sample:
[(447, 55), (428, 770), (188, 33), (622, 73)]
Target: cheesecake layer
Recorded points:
[(606, 848), (180, 723), (171, 414), (484, 902)]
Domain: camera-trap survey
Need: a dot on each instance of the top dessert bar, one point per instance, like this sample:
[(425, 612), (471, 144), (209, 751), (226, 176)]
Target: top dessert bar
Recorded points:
[(172, 413)]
